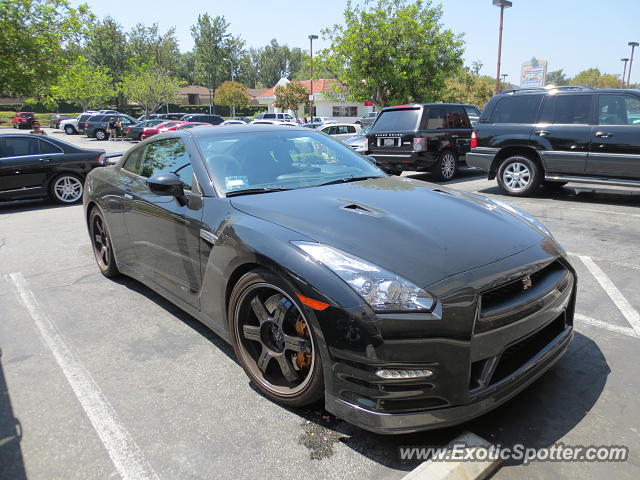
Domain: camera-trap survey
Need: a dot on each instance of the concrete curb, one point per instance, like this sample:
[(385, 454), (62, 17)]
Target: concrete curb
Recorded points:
[(457, 470)]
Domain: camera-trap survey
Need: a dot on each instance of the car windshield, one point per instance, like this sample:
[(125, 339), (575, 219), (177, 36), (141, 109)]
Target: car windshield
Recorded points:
[(277, 160)]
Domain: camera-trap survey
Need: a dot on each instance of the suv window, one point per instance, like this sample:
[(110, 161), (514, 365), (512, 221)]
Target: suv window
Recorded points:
[(567, 109), (268, 115), (84, 118), (168, 156), (516, 109), (618, 110), (396, 120)]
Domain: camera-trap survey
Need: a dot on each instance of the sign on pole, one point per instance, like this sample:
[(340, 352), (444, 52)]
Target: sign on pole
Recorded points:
[(533, 73)]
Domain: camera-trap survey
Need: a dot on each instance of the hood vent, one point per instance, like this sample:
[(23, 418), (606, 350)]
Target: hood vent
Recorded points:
[(357, 208)]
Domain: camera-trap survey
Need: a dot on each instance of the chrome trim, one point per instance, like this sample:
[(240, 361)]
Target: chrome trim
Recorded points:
[(615, 155), (208, 236), (544, 153), (485, 150), (21, 189), (390, 155), (600, 181)]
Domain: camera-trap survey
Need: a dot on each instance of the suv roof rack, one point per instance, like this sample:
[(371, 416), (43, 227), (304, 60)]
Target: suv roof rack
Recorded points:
[(540, 89)]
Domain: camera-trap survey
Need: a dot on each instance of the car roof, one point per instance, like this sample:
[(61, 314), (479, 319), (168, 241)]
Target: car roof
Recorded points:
[(326, 125), (565, 89)]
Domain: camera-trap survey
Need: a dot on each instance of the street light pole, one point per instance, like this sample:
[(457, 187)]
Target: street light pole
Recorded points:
[(624, 72), (311, 39), (633, 45), (502, 4), (504, 77)]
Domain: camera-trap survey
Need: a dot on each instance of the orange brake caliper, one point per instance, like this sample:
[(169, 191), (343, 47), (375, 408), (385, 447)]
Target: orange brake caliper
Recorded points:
[(303, 360)]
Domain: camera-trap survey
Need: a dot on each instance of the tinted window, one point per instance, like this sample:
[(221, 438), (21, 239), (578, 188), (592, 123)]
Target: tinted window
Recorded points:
[(517, 109), (168, 156), (397, 120), (133, 161), (567, 109), (446, 117), (473, 111), (618, 110), (16, 146), (46, 147)]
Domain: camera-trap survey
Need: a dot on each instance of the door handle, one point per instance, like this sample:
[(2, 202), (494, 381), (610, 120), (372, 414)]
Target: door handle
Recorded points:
[(128, 197), (45, 160), (604, 134), (542, 133)]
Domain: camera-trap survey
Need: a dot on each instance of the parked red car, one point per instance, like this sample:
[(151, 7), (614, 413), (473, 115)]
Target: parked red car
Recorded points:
[(23, 120), (168, 126)]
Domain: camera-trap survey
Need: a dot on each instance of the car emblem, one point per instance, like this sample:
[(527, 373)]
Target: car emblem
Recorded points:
[(526, 283)]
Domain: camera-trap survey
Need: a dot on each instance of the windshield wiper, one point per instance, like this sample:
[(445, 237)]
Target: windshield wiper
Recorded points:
[(251, 191), (348, 179)]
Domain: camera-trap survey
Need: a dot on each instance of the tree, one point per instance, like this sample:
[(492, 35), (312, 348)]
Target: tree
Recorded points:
[(145, 45), (468, 87), (277, 61), (247, 69), (150, 87), (186, 67), (32, 38), (291, 96), (85, 85), (593, 78), (557, 78), (232, 94), (212, 45), (392, 51)]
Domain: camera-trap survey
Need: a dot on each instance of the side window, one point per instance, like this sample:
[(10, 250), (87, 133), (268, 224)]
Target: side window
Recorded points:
[(572, 109), (46, 147), (15, 146), (435, 120), (133, 161), (618, 110), (516, 109), (351, 129), (455, 117), (168, 156)]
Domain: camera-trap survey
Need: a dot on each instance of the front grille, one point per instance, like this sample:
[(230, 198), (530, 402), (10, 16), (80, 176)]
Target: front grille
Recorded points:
[(522, 297)]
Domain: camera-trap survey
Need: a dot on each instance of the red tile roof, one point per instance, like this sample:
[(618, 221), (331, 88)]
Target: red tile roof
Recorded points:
[(320, 85)]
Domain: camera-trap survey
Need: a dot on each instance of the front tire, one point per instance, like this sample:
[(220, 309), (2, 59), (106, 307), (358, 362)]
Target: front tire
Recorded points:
[(66, 189), (69, 130), (519, 176), (102, 245), (274, 341), (446, 166)]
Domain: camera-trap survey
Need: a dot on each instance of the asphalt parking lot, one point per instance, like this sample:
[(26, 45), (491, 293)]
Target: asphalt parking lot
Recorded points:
[(182, 407)]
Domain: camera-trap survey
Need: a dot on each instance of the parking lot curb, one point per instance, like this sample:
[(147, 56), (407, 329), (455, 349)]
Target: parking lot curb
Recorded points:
[(457, 470)]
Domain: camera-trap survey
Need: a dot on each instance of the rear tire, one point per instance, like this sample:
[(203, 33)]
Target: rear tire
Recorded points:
[(66, 189), (519, 175), (446, 167), (69, 130), (101, 135)]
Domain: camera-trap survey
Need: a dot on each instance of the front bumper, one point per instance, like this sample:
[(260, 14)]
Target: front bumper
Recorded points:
[(477, 364)]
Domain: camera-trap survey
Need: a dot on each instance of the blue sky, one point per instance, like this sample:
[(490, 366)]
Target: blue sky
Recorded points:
[(570, 34)]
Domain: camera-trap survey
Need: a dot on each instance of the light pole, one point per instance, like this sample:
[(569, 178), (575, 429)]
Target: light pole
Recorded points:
[(624, 72), (504, 78), (311, 39), (502, 4), (633, 45), (233, 107)]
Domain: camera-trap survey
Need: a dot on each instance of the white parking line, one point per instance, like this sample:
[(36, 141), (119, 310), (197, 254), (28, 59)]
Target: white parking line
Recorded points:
[(120, 445), (628, 331), (616, 296)]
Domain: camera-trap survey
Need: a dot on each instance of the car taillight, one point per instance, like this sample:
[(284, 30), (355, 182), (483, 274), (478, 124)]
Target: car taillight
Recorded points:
[(128, 129), (474, 139), (100, 160), (86, 124), (419, 144)]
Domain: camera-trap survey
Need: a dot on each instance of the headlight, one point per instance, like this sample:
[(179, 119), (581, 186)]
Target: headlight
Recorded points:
[(382, 290), (523, 214)]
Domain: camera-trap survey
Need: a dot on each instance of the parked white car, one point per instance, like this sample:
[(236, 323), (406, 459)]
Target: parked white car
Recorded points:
[(233, 122), (358, 142), (70, 126), (273, 122), (283, 117), (341, 131)]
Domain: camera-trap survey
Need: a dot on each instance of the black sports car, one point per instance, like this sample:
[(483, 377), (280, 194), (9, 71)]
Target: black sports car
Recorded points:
[(33, 166), (406, 305)]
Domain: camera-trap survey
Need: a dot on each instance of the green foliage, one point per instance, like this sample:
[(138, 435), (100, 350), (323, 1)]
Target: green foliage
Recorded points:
[(107, 48), (85, 85), (146, 45), (557, 78), (320, 70), (593, 78), (291, 96), (392, 51), (468, 87), (277, 61), (32, 35), (232, 94), (150, 87)]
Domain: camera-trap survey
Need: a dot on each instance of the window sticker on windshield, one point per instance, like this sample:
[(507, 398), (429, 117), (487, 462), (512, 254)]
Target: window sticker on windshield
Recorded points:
[(235, 182)]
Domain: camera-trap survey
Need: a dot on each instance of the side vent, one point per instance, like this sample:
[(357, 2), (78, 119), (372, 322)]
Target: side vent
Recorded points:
[(356, 208)]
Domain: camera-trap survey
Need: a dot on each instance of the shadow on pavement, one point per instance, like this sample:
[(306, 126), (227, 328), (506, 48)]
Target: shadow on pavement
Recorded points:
[(43, 203), (11, 462), (464, 174)]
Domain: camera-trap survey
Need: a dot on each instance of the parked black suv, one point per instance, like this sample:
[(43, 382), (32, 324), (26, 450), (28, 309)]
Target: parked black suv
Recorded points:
[(98, 125), (429, 137), (532, 137), (197, 117)]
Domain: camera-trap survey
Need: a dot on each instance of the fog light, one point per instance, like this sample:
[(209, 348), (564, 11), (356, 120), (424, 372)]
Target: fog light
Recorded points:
[(385, 373)]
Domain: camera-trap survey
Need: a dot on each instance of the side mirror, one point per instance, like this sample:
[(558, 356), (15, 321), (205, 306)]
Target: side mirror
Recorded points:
[(167, 184)]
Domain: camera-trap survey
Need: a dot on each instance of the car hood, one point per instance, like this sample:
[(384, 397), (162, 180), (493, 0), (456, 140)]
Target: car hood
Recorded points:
[(418, 230)]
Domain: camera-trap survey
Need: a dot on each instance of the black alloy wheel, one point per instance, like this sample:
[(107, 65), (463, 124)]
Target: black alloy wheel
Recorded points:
[(102, 246), (274, 341), (446, 166)]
